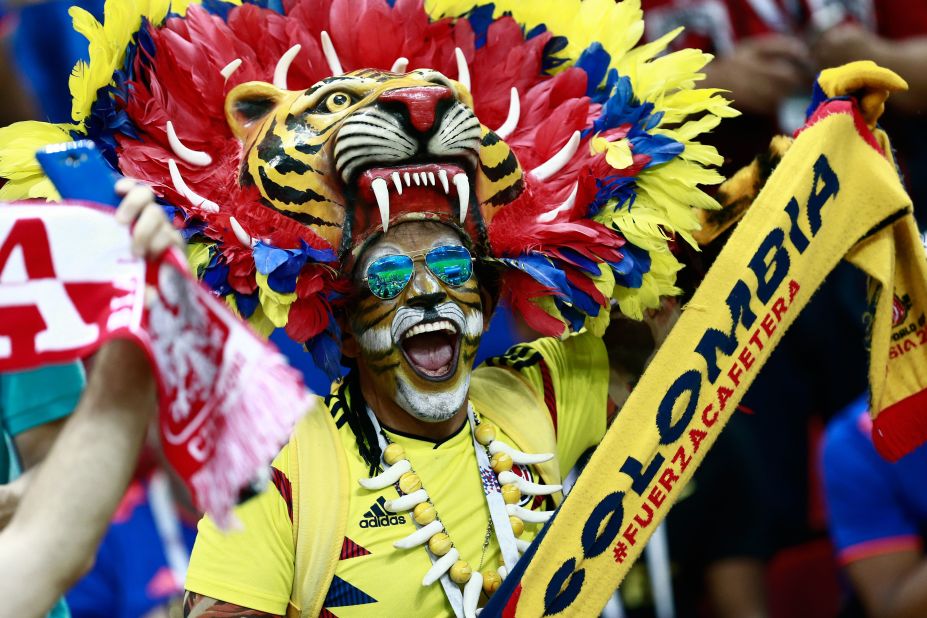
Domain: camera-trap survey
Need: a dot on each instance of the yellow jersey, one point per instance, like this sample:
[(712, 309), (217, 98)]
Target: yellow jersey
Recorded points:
[(254, 567)]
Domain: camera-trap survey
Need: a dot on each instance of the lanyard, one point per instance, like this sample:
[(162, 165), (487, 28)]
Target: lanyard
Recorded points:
[(167, 523), (497, 512)]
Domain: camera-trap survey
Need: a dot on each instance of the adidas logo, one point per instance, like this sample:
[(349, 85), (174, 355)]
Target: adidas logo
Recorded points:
[(379, 517)]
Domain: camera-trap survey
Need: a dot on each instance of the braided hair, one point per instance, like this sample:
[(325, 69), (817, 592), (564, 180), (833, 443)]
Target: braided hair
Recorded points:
[(352, 401)]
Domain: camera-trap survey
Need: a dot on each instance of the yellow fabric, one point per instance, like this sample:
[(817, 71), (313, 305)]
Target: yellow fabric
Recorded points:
[(251, 566), (320, 517), (875, 82), (259, 567), (829, 192)]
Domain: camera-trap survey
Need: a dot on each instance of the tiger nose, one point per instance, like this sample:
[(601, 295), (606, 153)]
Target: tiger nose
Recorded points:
[(420, 102)]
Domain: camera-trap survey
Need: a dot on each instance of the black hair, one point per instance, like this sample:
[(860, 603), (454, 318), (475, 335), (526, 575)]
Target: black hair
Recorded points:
[(355, 414)]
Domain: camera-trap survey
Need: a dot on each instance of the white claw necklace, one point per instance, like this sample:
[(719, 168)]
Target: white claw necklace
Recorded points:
[(503, 490)]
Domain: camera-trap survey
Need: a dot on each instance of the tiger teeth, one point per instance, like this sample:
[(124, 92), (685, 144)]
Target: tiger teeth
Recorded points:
[(463, 194), (431, 327), (417, 179), (442, 176), (431, 178), (398, 182), (381, 192), (407, 178)]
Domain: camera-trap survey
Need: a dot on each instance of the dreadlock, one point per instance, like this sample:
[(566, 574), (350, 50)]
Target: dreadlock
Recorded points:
[(355, 412)]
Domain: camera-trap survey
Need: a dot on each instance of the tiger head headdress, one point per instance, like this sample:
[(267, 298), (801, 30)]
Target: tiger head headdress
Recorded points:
[(356, 151), (286, 133)]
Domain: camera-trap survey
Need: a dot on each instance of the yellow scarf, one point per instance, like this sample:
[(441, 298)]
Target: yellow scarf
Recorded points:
[(836, 193)]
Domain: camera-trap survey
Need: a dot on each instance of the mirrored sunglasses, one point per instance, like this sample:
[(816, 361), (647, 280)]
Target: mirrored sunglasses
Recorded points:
[(388, 275)]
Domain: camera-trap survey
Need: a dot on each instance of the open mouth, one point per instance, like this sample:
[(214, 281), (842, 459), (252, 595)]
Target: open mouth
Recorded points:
[(431, 349), (420, 187)]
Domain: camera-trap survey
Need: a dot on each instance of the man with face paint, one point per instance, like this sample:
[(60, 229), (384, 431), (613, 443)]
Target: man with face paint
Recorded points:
[(415, 360), (412, 334), (419, 481), (375, 198)]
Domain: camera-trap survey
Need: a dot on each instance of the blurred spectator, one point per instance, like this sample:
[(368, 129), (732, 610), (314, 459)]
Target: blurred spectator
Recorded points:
[(760, 57), (142, 561), (893, 33), (45, 68), (878, 515), (17, 104), (33, 405)]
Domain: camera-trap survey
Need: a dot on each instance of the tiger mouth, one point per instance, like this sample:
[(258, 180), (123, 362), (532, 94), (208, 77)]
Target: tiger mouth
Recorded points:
[(423, 187), (431, 349)]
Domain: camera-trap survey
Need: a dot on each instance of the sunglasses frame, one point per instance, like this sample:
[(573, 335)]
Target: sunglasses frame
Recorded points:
[(415, 257)]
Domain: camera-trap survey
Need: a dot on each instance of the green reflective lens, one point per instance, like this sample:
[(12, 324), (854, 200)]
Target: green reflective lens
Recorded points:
[(451, 264), (388, 275)]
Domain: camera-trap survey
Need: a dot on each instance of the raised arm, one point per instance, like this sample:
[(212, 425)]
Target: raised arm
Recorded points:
[(55, 531), (59, 523), (200, 606)]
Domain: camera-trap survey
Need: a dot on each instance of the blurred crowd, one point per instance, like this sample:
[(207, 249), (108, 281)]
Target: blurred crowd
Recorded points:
[(792, 514)]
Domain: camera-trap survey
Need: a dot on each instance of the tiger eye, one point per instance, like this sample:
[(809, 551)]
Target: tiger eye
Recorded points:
[(337, 102)]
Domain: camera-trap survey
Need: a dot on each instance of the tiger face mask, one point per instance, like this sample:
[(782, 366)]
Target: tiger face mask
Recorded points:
[(417, 348), (354, 152)]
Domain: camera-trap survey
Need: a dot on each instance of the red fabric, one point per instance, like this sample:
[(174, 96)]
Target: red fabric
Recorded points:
[(550, 396), (802, 582), (901, 428), (282, 483), (712, 25), (901, 19)]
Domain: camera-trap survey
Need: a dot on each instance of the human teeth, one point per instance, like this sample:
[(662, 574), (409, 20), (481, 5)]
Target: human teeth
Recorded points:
[(398, 182), (463, 194), (417, 179), (442, 175), (431, 327), (431, 178), (408, 180), (381, 191)]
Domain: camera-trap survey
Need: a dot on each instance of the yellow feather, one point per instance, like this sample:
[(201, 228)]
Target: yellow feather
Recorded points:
[(107, 43), (604, 283), (18, 145), (261, 324), (702, 154), (198, 256), (276, 305)]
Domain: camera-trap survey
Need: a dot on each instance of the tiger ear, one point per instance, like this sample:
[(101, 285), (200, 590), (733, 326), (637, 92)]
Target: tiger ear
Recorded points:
[(248, 104)]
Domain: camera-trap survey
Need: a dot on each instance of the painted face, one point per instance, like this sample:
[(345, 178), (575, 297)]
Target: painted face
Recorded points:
[(418, 347)]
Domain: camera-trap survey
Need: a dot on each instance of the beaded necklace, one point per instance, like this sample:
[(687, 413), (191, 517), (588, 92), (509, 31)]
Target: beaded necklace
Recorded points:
[(503, 490)]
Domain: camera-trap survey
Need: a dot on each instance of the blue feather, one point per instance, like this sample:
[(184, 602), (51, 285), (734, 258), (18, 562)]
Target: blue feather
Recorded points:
[(581, 261), (221, 9), (536, 31), (621, 188), (542, 270), (660, 148), (630, 271), (216, 276), (282, 266), (594, 61), (584, 302), (325, 349), (554, 45), (480, 19), (602, 94), (246, 303), (572, 315)]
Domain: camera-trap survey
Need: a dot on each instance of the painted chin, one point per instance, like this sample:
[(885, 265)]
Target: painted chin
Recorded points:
[(431, 350)]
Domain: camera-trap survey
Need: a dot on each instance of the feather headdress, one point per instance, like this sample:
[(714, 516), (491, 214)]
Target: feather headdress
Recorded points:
[(605, 130)]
